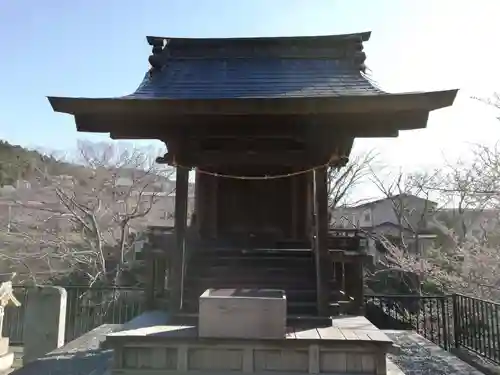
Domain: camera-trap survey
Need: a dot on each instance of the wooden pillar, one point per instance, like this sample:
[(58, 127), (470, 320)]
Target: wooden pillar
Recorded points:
[(214, 205), (197, 201), (177, 269), (309, 227), (323, 263), (294, 206), (202, 204)]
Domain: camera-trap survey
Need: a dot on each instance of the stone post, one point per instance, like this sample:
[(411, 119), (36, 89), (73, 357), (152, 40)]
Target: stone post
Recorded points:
[(6, 298), (6, 356), (44, 321), (2, 314)]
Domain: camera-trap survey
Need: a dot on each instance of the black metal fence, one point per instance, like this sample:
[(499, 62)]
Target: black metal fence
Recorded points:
[(89, 308), (450, 321), (86, 309), (430, 316), (477, 326), (13, 320)]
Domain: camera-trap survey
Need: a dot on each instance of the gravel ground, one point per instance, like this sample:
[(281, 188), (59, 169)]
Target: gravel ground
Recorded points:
[(79, 357), (419, 356)]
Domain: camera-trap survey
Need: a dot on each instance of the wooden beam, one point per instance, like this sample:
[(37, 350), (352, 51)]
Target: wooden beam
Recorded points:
[(246, 127), (228, 158), (149, 126), (324, 265), (177, 269), (365, 104)]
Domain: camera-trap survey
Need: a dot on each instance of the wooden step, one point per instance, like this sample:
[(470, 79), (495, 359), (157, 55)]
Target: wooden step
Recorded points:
[(254, 260), (252, 255), (285, 280), (228, 269), (285, 250), (291, 294), (194, 296), (293, 307), (248, 274), (298, 321), (217, 283), (216, 268)]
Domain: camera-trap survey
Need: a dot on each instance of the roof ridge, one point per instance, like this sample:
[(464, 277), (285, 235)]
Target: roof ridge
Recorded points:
[(348, 47), (364, 36)]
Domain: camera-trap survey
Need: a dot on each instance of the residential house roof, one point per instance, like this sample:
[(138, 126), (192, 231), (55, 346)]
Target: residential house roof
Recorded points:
[(397, 196), (423, 232)]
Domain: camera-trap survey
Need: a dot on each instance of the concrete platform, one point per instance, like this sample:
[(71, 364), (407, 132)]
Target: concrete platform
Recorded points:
[(85, 356), (350, 345), (6, 356)]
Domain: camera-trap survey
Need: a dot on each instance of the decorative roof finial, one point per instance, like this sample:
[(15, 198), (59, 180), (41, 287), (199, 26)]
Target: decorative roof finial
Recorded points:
[(156, 59)]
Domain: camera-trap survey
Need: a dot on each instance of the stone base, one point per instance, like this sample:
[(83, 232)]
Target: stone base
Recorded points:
[(244, 314), (252, 358), (6, 357), (4, 345), (6, 361), (351, 345)]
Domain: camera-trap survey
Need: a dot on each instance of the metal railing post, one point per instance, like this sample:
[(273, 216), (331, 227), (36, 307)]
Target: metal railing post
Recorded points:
[(456, 325)]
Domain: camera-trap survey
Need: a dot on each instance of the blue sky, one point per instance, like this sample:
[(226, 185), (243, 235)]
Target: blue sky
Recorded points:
[(95, 48)]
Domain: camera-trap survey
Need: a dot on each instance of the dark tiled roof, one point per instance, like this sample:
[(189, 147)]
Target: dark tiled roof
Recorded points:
[(257, 68), (262, 78), (302, 76)]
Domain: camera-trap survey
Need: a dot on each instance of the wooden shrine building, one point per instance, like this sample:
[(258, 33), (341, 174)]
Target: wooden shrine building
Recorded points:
[(260, 120)]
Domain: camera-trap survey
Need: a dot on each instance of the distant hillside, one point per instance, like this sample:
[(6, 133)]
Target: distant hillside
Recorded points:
[(34, 221), (18, 163)]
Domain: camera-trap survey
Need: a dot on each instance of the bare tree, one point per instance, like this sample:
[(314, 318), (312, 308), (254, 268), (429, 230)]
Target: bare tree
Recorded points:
[(343, 181), (97, 210), (466, 189), (493, 100), (470, 189), (399, 189), (474, 188)]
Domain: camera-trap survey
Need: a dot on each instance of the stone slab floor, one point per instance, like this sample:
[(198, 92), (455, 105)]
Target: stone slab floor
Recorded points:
[(417, 356)]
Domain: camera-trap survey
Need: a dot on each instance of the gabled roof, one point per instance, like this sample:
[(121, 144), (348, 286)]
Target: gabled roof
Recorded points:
[(232, 78), (258, 76), (394, 197), (257, 68)]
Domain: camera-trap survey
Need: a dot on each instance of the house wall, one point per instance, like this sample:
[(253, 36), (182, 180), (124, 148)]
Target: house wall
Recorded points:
[(381, 212), (415, 210), (477, 223), (349, 217)]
